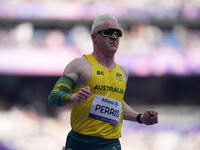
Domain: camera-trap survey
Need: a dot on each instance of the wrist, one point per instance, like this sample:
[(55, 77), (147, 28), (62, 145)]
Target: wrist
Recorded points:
[(68, 97), (139, 118)]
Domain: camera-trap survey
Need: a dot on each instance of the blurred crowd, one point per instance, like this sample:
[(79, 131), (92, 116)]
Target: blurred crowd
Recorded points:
[(145, 49), (77, 9), (27, 123), (25, 129)]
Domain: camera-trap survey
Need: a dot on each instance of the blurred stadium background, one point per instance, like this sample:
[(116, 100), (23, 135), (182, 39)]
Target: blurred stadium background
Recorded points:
[(160, 48)]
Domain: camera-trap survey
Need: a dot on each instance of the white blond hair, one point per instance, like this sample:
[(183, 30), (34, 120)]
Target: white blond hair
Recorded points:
[(100, 20)]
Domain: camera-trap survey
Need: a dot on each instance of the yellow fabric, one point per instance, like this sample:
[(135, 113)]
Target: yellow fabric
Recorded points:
[(108, 83)]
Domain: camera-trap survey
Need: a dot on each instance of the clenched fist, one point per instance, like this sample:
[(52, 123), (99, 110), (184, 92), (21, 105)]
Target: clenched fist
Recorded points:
[(150, 117), (81, 96)]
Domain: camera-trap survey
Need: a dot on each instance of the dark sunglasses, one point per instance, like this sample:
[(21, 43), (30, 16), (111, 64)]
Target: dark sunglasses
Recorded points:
[(110, 33)]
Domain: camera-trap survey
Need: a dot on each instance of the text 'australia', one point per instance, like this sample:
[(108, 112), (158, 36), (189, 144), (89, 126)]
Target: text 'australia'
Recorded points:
[(109, 88)]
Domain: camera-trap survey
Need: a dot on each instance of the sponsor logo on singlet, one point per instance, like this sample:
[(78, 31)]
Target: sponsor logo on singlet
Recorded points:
[(119, 76), (100, 72)]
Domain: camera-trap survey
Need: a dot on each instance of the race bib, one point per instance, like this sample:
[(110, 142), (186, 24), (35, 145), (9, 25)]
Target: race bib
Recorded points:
[(106, 109)]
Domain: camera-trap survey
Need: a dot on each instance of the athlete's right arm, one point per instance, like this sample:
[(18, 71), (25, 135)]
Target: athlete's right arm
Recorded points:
[(61, 93)]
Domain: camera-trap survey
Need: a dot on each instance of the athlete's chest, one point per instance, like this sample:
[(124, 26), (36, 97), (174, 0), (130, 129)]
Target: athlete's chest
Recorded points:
[(96, 75), (102, 75)]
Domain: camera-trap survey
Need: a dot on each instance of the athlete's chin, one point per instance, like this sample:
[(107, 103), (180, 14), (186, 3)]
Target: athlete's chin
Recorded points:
[(112, 53), (113, 49)]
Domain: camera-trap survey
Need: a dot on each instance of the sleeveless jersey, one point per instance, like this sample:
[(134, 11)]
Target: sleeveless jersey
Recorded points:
[(107, 86)]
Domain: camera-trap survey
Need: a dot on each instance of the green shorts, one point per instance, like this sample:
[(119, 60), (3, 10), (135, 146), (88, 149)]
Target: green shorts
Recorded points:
[(76, 141)]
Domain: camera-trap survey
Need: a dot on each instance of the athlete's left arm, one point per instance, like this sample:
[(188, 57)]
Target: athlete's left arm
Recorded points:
[(129, 113), (149, 117)]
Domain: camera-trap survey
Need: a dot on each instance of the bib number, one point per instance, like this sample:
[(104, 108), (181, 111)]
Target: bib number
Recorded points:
[(106, 109)]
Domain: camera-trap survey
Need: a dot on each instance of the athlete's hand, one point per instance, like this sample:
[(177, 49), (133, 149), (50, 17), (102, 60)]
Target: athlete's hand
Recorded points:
[(150, 117), (81, 96)]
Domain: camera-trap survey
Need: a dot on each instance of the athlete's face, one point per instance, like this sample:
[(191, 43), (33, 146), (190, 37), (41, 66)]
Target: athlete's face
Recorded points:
[(107, 39)]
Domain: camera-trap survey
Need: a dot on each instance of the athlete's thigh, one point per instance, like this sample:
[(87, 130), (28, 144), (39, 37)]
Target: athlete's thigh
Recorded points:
[(72, 144)]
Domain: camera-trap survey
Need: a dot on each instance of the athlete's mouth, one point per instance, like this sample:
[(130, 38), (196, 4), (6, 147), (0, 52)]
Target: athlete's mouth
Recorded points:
[(113, 44)]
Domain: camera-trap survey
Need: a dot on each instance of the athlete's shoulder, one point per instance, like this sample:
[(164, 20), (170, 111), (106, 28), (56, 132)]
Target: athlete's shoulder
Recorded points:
[(125, 71), (75, 68), (78, 62), (76, 65)]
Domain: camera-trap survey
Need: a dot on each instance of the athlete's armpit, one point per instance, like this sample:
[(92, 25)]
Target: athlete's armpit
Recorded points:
[(125, 71)]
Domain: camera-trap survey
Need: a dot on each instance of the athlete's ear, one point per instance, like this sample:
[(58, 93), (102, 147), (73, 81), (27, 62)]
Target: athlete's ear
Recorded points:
[(93, 36)]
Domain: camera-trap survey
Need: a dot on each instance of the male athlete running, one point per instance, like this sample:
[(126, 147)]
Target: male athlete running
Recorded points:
[(95, 85)]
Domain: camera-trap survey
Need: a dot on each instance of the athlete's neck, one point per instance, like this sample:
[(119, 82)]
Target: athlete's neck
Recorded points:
[(106, 61)]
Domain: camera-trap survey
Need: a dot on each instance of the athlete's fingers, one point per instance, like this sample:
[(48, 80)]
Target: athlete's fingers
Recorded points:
[(81, 100), (86, 90), (85, 95), (77, 98), (152, 113), (83, 92), (154, 119), (150, 117), (146, 114), (81, 96), (149, 120), (87, 87), (78, 101)]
